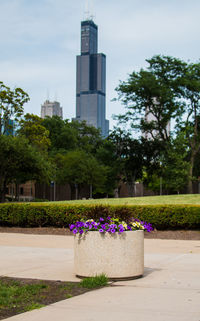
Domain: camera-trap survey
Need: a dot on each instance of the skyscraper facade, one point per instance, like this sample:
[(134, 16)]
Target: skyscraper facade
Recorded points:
[(51, 109), (91, 80)]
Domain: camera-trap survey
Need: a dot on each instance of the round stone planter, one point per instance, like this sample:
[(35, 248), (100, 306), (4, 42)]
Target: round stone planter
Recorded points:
[(118, 256)]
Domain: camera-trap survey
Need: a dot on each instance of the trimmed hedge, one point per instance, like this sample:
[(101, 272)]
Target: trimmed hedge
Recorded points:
[(61, 215)]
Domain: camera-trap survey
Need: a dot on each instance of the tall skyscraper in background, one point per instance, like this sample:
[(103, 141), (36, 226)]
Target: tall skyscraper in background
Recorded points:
[(51, 109), (91, 80)]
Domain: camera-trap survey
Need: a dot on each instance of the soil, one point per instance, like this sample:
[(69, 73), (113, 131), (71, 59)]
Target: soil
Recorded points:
[(54, 292), (168, 235)]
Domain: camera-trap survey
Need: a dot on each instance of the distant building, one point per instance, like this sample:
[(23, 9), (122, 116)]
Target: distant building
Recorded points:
[(149, 117), (91, 80), (51, 109), (8, 127)]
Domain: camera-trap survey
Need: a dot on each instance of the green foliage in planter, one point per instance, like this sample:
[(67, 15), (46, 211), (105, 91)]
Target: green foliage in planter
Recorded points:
[(61, 215)]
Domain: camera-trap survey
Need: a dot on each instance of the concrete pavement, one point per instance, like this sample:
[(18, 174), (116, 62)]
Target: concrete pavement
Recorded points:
[(169, 290)]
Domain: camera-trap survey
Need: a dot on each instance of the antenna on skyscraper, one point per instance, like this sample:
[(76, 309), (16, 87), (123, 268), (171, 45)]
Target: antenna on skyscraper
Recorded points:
[(89, 10), (56, 96), (48, 94)]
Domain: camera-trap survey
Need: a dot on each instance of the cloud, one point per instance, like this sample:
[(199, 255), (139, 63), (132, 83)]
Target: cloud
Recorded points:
[(41, 38)]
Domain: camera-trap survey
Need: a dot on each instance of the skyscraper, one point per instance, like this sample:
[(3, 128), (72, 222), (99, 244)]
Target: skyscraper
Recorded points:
[(91, 80), (51, 109)]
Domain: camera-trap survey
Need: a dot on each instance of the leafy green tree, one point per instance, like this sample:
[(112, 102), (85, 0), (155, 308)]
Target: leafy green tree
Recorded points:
[(11, 106), (130, 153), (190, 95), (20, 162), (153, 91), (31, 127), (89, 138), (107, 155), (62, 135), (168, 89), (77, 168), (172, 168), (95, 175), (175, 165)]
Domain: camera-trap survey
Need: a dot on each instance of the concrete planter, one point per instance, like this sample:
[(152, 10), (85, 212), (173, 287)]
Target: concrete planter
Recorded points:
[(117, 256)]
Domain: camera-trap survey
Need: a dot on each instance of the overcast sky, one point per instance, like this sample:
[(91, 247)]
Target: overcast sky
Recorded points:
[(41, 38)]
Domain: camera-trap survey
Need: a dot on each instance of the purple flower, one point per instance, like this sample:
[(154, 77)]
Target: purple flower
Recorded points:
[(113, 225), (148, 227), (79, 224), (109, 225)]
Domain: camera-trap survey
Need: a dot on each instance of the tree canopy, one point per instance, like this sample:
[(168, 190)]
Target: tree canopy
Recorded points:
[(167, 91), (20, 162), (11, 106)]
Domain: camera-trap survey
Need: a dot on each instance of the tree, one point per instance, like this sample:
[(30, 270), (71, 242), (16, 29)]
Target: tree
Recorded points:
[(172, 168), (175, 165), (62, 135), (130, 153), (11, 106), (20, 162), (31, 127), (168, 89), (89, 138), (190, 94), (95, 176), (67, 136), (107, 155), (78, 167)]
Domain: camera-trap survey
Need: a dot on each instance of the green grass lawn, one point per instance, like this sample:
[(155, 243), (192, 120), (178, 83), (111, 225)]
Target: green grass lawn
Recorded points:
[(147, 200), (21, 295)]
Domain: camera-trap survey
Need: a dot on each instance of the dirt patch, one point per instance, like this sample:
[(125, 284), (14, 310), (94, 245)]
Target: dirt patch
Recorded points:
[(26, 299), (169, 235), (36, 230), (173, 235)]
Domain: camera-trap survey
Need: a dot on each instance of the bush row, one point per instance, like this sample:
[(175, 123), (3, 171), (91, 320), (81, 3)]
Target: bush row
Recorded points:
[(61, 215)]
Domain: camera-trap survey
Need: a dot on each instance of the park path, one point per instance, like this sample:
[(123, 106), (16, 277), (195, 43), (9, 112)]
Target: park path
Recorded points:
[(169, 290)]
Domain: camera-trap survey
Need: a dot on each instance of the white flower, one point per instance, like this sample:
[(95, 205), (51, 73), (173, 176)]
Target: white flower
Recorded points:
[(124, 225)]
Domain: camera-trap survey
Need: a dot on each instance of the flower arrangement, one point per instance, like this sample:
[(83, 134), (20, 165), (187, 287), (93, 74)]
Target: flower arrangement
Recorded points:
[(109, 225)]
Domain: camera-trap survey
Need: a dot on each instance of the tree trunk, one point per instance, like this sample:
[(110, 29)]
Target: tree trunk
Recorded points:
[(131, 188), (190, 190), (44, 191), (116, 193), (2, 196), (12, 194), (16, 191), (3, 192), (90, 190), (76, 191)]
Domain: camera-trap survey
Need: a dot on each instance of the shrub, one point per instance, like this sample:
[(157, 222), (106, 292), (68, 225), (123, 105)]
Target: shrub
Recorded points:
[(61, 215)]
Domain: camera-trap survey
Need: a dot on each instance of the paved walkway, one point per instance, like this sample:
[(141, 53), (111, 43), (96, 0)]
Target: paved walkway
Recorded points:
[(169, 290)]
